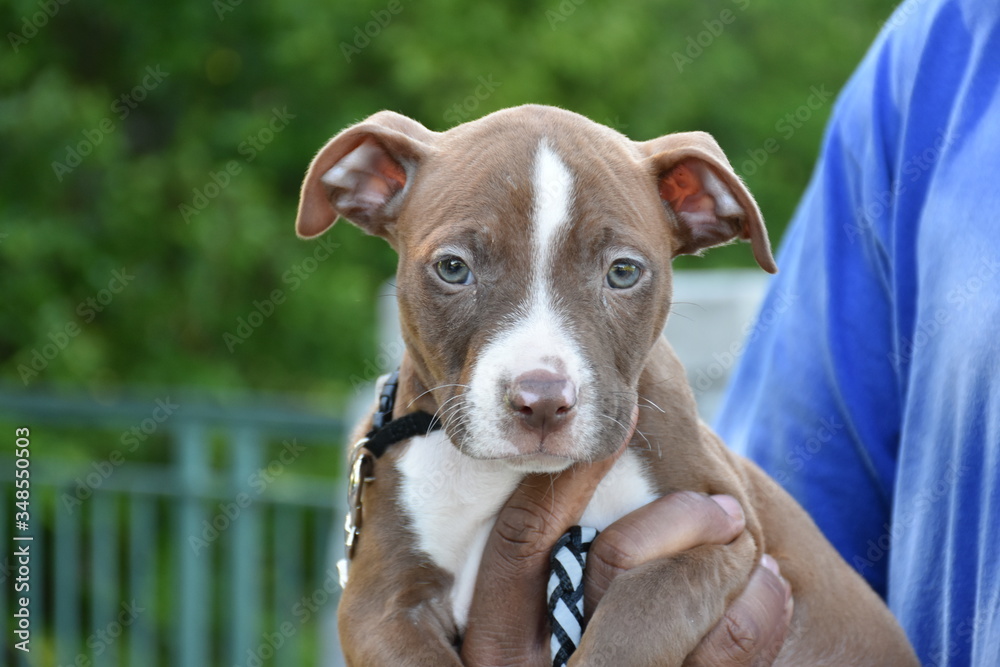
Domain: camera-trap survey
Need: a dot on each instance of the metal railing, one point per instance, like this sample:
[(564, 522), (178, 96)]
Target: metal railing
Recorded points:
[(202, 537)]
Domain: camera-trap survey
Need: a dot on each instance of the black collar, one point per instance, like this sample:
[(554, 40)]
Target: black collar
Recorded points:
[(387, 431)]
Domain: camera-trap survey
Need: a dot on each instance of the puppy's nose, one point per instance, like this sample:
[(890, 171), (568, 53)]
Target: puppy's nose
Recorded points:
[(544, 400)]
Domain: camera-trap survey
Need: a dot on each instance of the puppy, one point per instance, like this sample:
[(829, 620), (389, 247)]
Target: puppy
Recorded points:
[(534, 282)]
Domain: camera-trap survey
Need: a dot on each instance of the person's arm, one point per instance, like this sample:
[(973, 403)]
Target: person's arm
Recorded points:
[(507, 621), (816, 398)]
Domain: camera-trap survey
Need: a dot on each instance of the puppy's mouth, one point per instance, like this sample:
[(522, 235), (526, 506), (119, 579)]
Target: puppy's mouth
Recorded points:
[(538, 463), (547, 463), (527, 452)]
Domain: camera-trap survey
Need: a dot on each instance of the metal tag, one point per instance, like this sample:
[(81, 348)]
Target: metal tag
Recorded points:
[(362, 466)]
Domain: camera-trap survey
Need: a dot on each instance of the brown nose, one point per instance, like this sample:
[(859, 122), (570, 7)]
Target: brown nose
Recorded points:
[(544, 400)]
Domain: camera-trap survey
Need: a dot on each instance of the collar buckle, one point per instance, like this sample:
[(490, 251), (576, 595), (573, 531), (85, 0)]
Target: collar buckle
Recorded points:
[(362, 472)]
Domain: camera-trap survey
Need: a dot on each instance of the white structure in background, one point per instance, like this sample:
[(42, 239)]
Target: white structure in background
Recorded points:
[(711, 315)]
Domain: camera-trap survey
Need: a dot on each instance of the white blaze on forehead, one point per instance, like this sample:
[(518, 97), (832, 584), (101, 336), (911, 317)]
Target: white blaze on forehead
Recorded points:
[(553, 184), (537, 335)]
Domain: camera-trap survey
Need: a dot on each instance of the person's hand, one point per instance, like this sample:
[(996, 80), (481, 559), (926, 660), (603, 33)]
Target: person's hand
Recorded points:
[(507, 620), (755, 625)]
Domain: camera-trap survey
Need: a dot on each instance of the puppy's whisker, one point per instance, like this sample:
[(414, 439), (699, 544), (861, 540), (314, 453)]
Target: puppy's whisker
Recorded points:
[(459, 398), (649, 445), (460, 415), (440, 386), (625, 429), (451, 418), (693, 304), (652, 405), (444, 415), (552, 493)]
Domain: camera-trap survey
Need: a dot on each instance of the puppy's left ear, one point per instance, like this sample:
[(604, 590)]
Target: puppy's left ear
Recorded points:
[(363, 175), (709, 201)]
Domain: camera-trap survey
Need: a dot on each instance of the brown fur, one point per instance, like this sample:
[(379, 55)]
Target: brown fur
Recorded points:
[(469, 186)]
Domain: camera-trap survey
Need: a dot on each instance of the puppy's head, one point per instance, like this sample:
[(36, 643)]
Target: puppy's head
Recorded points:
[(534, 263)]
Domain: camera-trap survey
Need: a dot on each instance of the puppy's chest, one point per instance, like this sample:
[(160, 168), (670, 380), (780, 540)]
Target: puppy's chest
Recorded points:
[(451, 501)]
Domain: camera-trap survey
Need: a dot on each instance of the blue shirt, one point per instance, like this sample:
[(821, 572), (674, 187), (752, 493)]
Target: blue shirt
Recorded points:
[(870, 385)]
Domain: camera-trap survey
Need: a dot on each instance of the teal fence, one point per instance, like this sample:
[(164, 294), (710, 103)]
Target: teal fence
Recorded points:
[(173, 532)]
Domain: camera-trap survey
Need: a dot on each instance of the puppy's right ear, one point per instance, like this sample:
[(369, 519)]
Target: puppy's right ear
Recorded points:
[(710, 204), (363, 174)]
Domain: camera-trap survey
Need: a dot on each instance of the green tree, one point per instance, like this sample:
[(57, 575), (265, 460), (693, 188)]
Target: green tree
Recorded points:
[(152, 155)]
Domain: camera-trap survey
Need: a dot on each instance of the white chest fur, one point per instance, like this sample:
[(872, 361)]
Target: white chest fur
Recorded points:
[(452, 500)]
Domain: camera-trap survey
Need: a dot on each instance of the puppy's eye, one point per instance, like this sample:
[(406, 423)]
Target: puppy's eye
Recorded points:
[(454, 271), (623, 274)]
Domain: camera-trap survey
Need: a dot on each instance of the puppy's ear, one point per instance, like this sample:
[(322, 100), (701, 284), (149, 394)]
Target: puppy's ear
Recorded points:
[(363, 174), (709, 201)]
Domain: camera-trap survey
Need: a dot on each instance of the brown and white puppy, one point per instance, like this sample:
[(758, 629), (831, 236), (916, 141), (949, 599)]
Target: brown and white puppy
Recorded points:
[(534, 282)]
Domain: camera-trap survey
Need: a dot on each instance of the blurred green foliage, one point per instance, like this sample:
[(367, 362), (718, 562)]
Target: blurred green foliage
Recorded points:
[(115, 116)]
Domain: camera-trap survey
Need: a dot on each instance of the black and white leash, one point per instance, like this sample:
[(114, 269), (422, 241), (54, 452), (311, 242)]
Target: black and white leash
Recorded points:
[(565, 592)]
